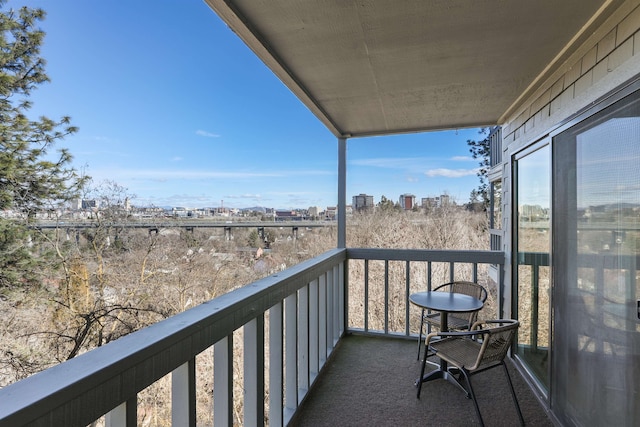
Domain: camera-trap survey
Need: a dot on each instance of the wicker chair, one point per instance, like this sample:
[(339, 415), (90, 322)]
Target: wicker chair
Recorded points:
[(455, 321), (481, 348)]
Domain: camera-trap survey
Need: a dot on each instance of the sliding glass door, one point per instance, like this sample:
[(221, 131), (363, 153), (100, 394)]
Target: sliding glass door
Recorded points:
[(596, 249), (532, 275)]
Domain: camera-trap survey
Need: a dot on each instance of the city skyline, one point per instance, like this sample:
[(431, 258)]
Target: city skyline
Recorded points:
[(172, 106)]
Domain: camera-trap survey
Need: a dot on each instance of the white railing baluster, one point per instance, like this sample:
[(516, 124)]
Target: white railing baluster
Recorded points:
[(254, 372), (314, 327), (330, 332), (386, 296), (223, 382), (407, 292), (291, 356), (183, 395), (336, 306), (341, 298), (303, 342), (322, 321), (117, 417), (275, 366), (125, 414), (366, 295)]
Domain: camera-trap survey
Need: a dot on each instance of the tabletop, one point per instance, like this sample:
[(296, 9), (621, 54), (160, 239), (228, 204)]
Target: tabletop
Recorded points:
[(446, 301)]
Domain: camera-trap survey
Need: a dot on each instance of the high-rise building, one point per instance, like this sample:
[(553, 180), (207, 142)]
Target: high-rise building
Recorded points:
[(407, 201), (362, 202)]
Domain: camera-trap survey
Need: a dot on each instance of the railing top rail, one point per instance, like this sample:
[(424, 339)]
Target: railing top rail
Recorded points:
[(464, 256), (109, 375)]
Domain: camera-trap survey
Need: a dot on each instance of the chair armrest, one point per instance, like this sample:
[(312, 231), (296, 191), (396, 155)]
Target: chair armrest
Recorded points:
[(458, 334), (430, 337)]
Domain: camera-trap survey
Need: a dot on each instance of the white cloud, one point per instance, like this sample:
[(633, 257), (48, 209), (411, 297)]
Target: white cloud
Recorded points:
[(189, 174), (185, 174), (462, 159), (206, 134), (451, 173), (177, 159), (244, 196)]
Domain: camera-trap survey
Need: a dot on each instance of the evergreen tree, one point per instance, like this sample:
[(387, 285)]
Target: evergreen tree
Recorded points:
[(481, 150), (386, 205), (31, 176)]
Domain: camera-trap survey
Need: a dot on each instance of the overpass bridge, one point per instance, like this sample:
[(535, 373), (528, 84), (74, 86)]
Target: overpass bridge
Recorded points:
[(187, 224), (194, 223)]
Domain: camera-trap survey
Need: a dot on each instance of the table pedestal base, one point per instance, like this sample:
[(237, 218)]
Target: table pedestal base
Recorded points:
[(437, 375)]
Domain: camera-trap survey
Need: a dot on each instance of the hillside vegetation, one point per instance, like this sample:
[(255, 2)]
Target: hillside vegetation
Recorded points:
[(109, 281)]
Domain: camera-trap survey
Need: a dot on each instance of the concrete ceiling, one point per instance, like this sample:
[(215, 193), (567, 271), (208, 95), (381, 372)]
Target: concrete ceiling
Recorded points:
[(371, 67)]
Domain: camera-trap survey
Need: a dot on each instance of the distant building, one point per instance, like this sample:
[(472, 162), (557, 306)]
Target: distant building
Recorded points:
[(331, 212), (287, 215), (88, 204), (362, 202), (407, 201), (314, 211), (429, 202), (436, 202)]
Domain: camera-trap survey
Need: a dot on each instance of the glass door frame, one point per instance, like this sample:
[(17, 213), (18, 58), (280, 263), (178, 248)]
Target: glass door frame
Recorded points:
[(545, 142)]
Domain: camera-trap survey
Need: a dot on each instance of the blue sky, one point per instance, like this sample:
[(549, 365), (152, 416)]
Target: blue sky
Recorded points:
[(175, 108)]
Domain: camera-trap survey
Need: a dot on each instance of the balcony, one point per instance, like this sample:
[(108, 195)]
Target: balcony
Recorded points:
[(332, 338)]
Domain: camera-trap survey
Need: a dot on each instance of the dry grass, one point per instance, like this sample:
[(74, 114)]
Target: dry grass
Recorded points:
[(169, 272)]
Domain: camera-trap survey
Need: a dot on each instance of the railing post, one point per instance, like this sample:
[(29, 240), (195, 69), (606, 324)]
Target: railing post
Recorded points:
[(183, 395)]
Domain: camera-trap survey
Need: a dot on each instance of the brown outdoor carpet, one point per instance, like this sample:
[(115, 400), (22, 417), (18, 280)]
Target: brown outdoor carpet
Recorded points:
[(370, 382)]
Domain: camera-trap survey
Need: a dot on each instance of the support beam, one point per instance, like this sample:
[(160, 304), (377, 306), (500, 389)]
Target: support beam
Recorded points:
[(342, 192)]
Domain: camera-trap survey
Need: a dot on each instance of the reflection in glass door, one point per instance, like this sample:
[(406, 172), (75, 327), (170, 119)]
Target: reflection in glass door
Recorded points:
[(596, 352), (532, 281)]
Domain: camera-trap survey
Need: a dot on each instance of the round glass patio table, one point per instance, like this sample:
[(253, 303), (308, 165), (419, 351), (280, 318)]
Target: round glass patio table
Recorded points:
[(445, 303)]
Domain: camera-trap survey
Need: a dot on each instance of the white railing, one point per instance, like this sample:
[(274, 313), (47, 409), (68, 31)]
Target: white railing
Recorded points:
[(380, 303), (306, 309)]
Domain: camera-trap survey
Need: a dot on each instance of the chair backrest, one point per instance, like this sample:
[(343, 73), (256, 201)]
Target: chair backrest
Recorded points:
[(464, 287), (468, 288), (498, 336)]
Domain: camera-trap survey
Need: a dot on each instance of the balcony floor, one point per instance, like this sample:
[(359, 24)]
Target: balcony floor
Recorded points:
[(369, 381)]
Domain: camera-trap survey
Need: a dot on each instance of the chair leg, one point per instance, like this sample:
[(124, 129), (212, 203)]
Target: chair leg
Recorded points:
[(424, 363), (420, 333), (513, 393), (473, 395)]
